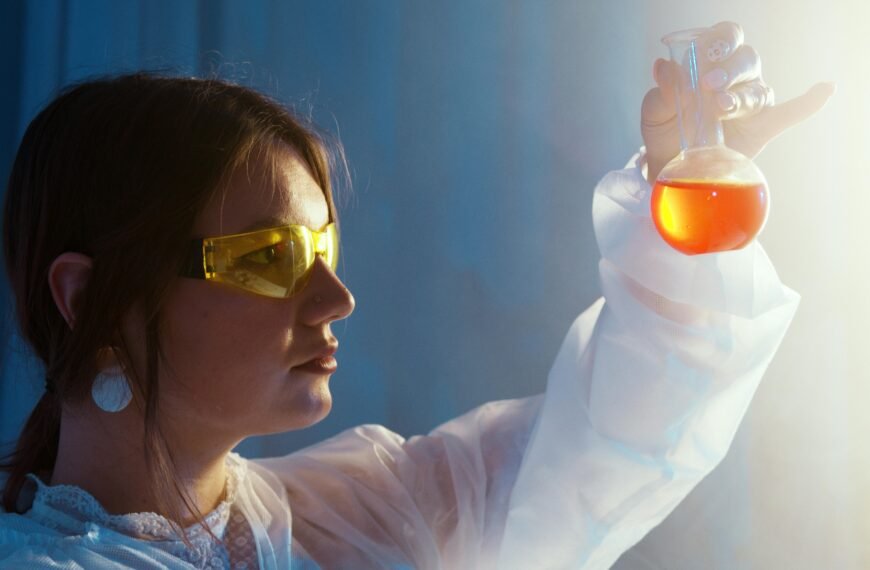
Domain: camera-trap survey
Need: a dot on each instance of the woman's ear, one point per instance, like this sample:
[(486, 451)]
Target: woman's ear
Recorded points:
[(67, 277)]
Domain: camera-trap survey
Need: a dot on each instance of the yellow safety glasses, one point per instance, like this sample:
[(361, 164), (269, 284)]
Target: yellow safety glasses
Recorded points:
[(274, 262)]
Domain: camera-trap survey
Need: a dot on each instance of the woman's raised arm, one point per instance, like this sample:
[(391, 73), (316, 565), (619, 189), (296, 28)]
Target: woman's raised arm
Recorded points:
[(642, 401)]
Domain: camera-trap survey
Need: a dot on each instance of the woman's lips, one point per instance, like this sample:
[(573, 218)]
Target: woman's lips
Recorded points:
[(325, 365)]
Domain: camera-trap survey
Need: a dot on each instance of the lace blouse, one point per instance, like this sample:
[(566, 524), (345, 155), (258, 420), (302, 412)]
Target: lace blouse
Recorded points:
[(64, 507)]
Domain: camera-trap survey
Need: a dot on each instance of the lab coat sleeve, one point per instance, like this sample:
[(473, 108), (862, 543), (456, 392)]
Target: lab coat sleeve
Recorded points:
[(642, 401)]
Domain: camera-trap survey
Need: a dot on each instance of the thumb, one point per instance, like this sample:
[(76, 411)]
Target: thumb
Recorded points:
[(780, 117), (658, 105)]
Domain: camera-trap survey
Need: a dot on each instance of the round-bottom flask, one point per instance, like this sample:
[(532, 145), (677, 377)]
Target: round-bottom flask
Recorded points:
[(710, 199)]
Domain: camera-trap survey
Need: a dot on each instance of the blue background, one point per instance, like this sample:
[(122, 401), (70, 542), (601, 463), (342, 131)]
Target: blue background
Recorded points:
[(475, 133)]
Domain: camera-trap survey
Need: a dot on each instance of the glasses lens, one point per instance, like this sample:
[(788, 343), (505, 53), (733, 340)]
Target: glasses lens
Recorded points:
[(276, 263), (324, 244), (330, 254)]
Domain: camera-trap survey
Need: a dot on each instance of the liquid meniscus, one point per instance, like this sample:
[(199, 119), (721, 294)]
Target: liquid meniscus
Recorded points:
[(705, 216)]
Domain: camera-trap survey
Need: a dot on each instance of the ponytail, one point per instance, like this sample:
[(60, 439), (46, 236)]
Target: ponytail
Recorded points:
[(36, 449)]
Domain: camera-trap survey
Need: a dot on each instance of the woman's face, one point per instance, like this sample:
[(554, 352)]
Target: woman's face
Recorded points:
[(230, 354)]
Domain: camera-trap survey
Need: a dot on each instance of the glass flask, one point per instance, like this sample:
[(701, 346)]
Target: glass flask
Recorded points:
[(709, 198)]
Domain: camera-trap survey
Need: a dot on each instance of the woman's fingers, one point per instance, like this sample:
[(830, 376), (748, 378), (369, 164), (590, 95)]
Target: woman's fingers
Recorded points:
[(742, 66), (719, 43), (744, 99), (778, 118), (664, 72), (730, 31), (658, 105)]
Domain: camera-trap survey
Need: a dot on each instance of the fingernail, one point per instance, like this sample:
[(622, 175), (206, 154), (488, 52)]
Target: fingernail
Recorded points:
[(718, 50), (716, 78), (726, 101)]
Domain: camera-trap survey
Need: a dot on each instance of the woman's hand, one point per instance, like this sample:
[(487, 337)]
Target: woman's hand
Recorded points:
[(750, 119)]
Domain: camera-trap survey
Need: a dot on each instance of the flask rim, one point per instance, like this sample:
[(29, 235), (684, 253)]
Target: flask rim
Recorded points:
[(679, 36)]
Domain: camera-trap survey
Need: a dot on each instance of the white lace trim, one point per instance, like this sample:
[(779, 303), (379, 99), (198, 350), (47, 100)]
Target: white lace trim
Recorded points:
[(82, 506)]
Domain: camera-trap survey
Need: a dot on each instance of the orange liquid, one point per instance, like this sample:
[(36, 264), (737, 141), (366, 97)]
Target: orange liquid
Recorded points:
[(702, 216)]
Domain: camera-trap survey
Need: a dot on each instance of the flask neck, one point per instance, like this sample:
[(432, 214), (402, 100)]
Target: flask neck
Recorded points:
[(707, 128)]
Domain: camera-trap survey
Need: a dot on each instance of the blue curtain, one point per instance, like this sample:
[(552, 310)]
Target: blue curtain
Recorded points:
[(474, 151)]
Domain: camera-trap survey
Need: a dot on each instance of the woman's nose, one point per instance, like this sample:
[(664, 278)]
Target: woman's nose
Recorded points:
[(328, 298)]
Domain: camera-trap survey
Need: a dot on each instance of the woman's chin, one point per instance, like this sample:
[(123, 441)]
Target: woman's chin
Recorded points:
[(319, 404), (305, 405), (307, 408)]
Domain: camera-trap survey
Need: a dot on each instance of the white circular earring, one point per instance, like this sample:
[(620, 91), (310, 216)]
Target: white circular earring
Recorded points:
[(111, 390)]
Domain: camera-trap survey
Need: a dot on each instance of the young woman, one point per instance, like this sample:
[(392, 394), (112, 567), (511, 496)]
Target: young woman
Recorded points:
[(171, 245)]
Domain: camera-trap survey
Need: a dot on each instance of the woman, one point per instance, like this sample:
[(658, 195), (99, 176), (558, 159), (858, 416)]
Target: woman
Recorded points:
[(129, 195)]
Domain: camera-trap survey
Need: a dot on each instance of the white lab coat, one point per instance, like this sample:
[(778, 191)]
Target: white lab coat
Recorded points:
[(642, 401)]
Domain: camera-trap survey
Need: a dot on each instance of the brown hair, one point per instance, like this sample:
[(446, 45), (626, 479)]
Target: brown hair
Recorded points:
[(117, 169)]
